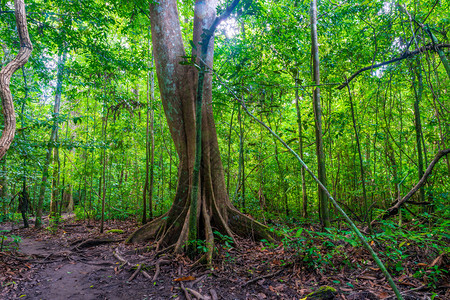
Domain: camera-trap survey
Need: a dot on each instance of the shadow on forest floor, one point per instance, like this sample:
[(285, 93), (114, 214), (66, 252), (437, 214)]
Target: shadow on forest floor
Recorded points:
[(74, 261)]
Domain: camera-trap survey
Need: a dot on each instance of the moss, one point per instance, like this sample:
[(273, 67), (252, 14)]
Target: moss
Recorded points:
[(115, 231), (323, 293)]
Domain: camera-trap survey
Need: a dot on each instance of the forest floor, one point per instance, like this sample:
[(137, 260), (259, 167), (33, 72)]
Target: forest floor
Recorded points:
[(74, 261)]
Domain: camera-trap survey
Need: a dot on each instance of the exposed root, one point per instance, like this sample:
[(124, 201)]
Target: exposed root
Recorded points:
[(196, 294), (94, 242), (245, 226), (213, 294), (172, 231), (158, 268), (148, 231), (125, 262), (209, 243), (133, 276), (186, 293), (262, 277)]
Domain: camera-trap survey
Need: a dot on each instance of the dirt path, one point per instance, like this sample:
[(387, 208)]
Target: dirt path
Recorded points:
[(61, 271), (58, 269), (75, 261)]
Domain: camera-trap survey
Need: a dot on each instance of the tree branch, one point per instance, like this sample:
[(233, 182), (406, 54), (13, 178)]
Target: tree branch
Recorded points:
[(394, 209), (402, 57)]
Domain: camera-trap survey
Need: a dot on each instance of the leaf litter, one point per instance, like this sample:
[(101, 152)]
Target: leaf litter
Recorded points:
[(50, 264)]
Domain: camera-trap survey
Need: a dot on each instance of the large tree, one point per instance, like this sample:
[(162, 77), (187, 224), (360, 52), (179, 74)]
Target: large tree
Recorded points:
[(178, 84)]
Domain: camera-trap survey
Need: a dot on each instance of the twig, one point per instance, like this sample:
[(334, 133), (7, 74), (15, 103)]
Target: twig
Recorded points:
[(186, 293), (198, 280), (135, 273), (213, 294), (158, 267), (125, 262), (146, 274), (415, 289), (262, 277), (122, 260), (196, 294)]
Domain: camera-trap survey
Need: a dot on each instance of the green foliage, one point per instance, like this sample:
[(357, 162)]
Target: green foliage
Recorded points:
[(330, 249), (115, 231), (9, 243), (225, 240)]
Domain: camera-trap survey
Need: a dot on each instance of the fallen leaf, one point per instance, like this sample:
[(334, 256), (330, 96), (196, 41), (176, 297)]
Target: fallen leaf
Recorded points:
[(437, 261), (186, 278), (422, 264)]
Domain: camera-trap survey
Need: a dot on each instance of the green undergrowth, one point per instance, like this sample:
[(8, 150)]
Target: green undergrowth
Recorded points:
[(9, 242), (416, 248), (116, 213)]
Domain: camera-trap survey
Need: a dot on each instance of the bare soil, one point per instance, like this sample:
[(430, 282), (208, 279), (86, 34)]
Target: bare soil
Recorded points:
[(74, 261)]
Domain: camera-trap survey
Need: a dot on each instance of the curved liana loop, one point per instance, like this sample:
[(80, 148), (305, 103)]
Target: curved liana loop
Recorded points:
[(6, 73)]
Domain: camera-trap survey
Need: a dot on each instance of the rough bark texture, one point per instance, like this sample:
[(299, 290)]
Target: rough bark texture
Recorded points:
[(5, 77), (177, 84)]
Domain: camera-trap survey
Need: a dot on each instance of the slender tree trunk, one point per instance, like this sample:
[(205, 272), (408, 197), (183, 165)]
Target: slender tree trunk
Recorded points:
[(55, 184), (323, 200), (229, 152), (54, 135), (3, 180), (361, 163), (147, 167), (300, 145), (152, 139), (103, 176), (149, 146), (241, 161), (418, 89)]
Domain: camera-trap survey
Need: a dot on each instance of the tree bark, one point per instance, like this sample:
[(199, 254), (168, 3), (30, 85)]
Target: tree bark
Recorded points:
[(5, 77), (323, 200), (177, 84)]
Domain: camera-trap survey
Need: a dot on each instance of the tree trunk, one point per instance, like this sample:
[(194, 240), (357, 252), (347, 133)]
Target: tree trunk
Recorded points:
[(54, 135), (5, 77), (3, 180), (229, 151), (55, 184), (361, 165), (102, 186), (300, 145), (150, 145), (323, 200), (177, 84), (418, 89)]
